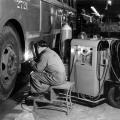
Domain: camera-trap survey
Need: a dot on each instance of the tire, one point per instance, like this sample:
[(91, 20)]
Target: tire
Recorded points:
[(9, 61), (114, 96)]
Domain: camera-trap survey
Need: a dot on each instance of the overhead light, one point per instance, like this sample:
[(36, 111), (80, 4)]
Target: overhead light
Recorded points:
[(95, 11), (109, 2)]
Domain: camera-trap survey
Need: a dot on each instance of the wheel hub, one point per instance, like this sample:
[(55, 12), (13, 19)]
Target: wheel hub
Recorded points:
[(8, 63)]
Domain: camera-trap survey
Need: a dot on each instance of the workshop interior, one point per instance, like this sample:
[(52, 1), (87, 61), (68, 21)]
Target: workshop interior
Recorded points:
[(84, 33), (94, 59), (96, 70)]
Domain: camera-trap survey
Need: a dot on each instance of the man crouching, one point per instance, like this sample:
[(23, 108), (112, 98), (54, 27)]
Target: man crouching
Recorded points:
[(49, 69)]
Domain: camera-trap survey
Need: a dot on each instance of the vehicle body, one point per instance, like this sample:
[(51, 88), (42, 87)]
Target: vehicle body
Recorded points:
[(23, 22)]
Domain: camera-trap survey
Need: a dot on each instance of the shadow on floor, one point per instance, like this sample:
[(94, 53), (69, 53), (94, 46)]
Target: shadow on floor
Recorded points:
[(8, 110)]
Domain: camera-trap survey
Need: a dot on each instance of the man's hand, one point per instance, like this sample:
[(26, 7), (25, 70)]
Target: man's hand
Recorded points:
[(32, 62)]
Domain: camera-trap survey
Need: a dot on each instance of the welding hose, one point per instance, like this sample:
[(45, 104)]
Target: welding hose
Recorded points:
[(113, 43), (73, 62), (118, 56), (106, 68), (26, 95), (72, 66), (102, 79)]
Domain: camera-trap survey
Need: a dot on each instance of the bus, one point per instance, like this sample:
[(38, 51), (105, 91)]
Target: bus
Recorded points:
[(24, 22)]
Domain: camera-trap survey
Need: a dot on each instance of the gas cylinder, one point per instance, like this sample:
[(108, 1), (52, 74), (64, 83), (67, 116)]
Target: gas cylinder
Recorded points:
[(66, 32), (66, 36)]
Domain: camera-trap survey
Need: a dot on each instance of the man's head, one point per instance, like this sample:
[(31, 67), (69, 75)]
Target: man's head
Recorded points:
[(40, 46)]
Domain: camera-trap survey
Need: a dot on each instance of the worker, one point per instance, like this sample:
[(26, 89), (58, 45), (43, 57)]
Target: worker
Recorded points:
[(49, 69), (82, 35)]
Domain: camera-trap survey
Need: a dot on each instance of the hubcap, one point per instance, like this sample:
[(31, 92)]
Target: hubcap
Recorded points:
[(8, 66)]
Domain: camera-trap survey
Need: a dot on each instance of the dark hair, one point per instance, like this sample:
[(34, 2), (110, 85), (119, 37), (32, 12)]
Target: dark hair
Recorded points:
[(42, 43)]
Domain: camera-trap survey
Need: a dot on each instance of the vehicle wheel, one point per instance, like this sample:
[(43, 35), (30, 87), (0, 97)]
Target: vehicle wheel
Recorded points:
[(114, 96), (9, 61)]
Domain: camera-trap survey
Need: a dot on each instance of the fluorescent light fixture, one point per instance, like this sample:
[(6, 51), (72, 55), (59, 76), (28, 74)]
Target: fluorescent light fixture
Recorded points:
[(95, 11)]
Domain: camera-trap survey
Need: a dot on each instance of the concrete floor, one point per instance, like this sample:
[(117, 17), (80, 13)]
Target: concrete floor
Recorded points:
[(10, 110)]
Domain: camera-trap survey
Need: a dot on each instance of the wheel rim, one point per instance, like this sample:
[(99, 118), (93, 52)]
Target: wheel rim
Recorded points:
[(9, 66)]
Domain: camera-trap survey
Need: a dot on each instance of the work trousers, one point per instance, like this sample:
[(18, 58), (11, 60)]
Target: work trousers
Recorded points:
[(41, 81)]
